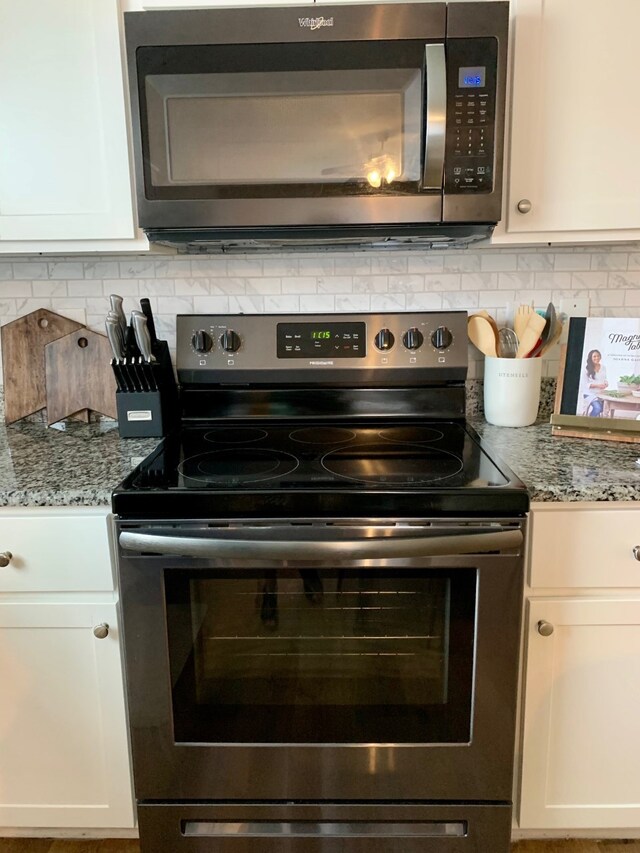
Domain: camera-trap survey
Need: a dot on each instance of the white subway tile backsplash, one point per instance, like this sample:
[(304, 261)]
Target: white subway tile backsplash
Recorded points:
[(318, 303), (438, 282), (572, 261), (282, 304), (536, 262), (588, 280), (30, 270), (462, 262), (66, 270), (15, 288), (137, 269), (208, 267), (609, 261), (497, 262), (249, 304), (101, 269), (49, 288), (339, 282)]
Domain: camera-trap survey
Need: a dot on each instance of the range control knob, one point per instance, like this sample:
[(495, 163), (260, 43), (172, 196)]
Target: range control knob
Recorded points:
[(201, 341), (413, 338), (230, 341), (441, 338), (384, 340)]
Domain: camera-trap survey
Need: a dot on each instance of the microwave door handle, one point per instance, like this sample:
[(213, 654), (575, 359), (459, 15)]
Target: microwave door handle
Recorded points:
[(320, 549), (436, 116)]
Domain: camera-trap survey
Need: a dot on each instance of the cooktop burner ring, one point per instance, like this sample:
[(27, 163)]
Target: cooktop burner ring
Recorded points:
[(435, 434), (219, 433), (364, 455), (239, 466), (323, 435)]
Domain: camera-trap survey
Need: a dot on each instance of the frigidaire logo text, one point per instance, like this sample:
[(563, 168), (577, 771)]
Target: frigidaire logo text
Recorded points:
[(315, 23)]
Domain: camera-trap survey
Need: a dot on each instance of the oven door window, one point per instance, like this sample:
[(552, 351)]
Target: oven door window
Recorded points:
[(325, 119), (309, 656)]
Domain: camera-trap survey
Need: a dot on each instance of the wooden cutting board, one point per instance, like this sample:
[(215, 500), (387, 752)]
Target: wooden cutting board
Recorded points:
[(23, 343), (78, 376)]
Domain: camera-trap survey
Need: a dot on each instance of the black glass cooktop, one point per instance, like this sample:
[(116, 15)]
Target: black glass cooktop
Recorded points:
[(318, 470)]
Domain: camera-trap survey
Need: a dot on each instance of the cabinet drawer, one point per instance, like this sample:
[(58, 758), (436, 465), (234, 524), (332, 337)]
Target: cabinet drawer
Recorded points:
[(585, 548), (55, 552)]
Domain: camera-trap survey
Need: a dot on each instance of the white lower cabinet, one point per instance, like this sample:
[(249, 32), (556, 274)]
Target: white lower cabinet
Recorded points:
[(581, 690), (64, 753)]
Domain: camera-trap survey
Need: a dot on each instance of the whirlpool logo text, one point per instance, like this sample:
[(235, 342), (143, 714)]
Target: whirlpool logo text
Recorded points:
[(315, 23)]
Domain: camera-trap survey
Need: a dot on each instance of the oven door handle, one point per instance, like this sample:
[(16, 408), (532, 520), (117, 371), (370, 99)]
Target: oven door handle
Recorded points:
[(436, 116), (244, 547)]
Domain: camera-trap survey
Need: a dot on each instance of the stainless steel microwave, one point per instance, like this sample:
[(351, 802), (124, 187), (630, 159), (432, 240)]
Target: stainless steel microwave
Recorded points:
[(351, 123)]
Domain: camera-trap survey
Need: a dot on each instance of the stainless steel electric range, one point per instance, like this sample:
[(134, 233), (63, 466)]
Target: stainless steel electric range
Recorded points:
[(321, 575)]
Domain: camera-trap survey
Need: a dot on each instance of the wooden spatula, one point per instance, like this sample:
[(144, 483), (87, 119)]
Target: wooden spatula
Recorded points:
[(529, 337), (481, 335), (523, 312)]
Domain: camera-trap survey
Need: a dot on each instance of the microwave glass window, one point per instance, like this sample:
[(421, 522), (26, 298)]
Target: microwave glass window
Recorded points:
[(341, 656), (295, 127)]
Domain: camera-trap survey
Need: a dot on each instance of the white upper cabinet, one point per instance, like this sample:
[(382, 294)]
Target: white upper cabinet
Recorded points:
[(64, 164), (575, 122), (149, 5)]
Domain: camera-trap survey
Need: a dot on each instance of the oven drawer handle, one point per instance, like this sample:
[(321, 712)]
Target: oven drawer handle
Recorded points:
[(345, 549)]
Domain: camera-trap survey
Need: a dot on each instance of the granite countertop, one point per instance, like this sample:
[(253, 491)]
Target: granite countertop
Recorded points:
[(76, 465), (565, 469), (80, 464)]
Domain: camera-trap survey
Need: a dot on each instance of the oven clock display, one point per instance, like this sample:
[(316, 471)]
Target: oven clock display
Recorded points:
[(336, 340)]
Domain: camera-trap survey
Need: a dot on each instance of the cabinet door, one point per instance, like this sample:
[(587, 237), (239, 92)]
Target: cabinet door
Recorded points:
[(64, 169), (64, 759), (581, 724), (574, 117)]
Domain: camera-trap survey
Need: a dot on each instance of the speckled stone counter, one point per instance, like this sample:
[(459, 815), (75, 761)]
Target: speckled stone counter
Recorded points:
[(80, 464), (75, 466), (565, 469)]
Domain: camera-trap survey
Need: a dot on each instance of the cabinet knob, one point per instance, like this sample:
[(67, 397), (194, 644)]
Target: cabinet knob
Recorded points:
[(636, 554), (545, 629), (6, 557), (101, 631), (524, 205)]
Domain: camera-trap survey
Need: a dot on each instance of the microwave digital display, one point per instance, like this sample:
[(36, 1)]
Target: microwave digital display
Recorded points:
[(472, 77)]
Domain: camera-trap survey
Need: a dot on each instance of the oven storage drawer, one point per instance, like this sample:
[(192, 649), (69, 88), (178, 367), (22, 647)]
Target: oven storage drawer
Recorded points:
[(324, 828)]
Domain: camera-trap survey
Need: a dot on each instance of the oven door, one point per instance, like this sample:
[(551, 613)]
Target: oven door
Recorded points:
[(295, 130), (322, 661)]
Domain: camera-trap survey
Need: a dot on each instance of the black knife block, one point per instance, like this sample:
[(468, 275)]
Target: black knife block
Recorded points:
[(150, 414)]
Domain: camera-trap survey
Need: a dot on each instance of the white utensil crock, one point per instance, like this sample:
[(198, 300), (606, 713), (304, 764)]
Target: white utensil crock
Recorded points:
[(512, 390)]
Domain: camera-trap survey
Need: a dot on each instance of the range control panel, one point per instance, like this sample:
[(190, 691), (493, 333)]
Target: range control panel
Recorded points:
[(471, 109), (311, 348)]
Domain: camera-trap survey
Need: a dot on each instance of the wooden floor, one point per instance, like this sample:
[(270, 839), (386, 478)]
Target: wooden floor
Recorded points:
[(46, 845)]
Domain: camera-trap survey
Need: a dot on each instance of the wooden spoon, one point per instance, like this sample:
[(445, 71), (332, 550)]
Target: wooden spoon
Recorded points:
[(481, 335), (530, 336), (494, 326)]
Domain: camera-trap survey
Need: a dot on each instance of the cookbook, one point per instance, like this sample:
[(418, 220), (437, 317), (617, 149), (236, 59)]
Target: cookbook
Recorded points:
[(599, 385)]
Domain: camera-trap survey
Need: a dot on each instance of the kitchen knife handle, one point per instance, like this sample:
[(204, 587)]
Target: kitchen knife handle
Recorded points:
[(143, 338), (118, 310), (114, 335), (145, 307)]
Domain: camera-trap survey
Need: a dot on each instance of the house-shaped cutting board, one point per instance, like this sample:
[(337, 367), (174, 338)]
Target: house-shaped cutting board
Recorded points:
[(23, 343), (78, 376)]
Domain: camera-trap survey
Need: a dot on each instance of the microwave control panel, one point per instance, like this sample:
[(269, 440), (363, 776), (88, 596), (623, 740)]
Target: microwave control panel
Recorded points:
[(471, 108)]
